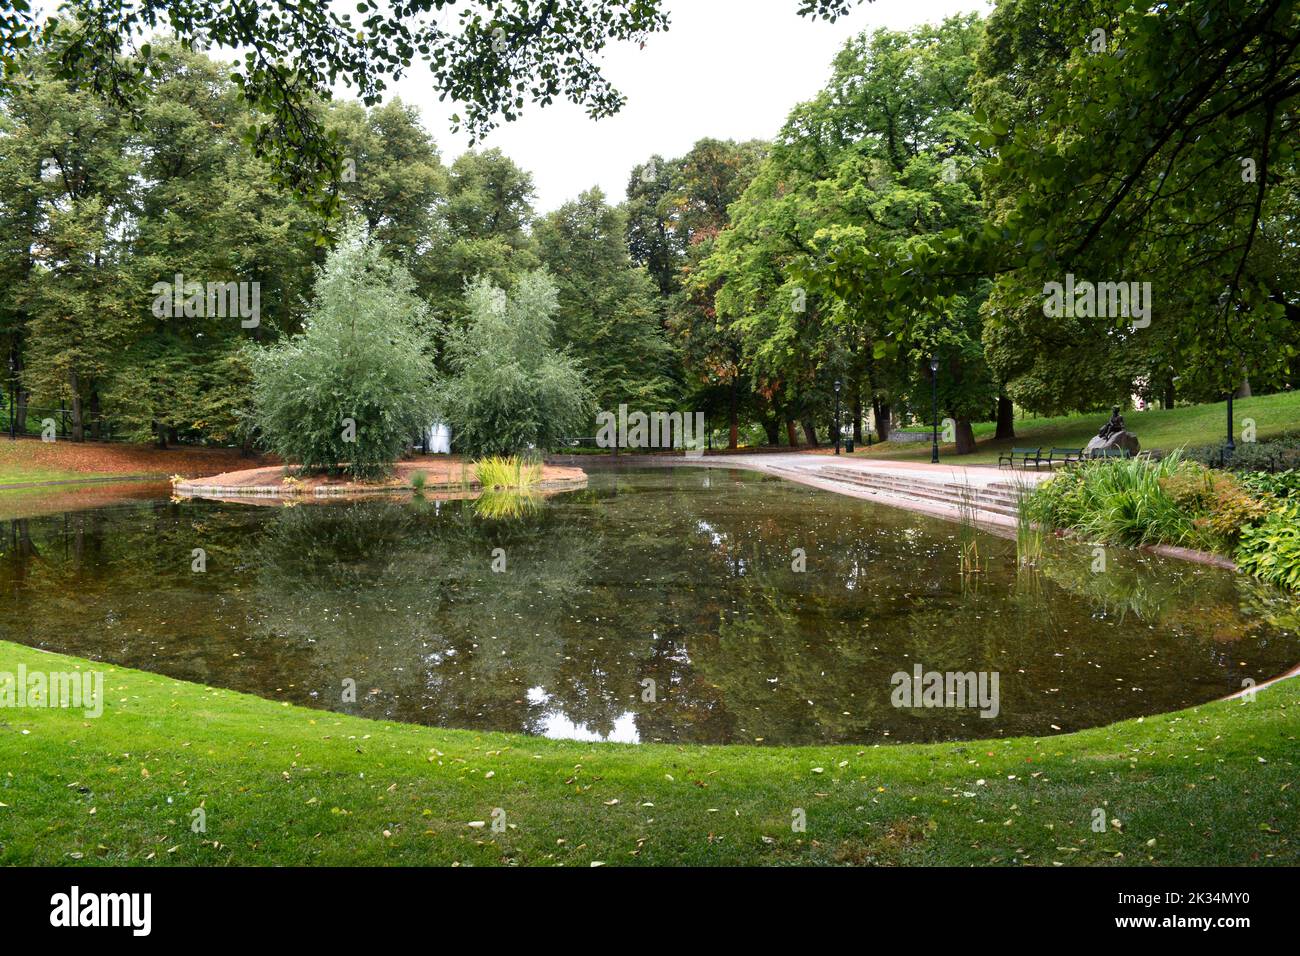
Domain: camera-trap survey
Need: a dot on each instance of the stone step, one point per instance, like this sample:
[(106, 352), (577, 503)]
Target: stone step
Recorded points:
[(999, 501)]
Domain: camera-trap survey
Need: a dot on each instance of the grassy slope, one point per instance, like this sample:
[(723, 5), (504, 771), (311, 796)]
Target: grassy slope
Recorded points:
[(30, 460), (285, 785), (1157, 429)]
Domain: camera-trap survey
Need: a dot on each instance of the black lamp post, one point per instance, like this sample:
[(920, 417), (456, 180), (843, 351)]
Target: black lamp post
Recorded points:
[(934, 402), (838, 385), (13, 418), (1229, 449)]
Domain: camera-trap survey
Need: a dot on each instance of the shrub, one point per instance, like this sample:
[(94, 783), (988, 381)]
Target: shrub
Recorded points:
[(509, 389), (1279, 454), (1219, 503), (1281, 485), (351, 391), (1270, 550), (1058, 502)]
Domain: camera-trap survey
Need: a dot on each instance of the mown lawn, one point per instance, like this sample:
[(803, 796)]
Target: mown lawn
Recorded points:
[(1157, 429), (285, 785)]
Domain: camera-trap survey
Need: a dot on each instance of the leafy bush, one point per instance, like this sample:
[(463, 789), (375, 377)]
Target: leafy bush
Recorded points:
[(352, 390), (1138, 502), (1121, 501), (1270, 550), (1058, 502), (1220, 505), (509, 390), (1281, 485), (1276, 455)]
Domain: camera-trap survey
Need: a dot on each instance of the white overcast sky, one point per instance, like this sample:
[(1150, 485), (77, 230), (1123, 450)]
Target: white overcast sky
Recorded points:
[(730, 69)]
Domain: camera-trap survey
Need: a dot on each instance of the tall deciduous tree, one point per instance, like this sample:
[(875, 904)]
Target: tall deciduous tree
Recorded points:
[(606, 315)]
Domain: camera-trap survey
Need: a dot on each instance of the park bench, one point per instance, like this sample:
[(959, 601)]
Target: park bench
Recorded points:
[(1064, 456), (1024, 455)]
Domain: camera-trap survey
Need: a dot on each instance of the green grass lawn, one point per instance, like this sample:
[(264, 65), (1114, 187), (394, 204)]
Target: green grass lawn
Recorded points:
[(1157, 429), (21, 473), (284, 785)]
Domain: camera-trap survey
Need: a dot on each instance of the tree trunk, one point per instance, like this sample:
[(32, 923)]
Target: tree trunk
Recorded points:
[(78, 426), (21, 396), (96, 431), (772, 427), (1006, 420), (160, 435), (791, 435), (882, 419), (1244, 390), (965, 437), (810, 432), (857, 419), (735, 418), (1169, 394)]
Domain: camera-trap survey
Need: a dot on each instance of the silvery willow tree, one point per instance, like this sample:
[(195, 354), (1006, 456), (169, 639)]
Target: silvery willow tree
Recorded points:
[(351, 391), (508, 388)]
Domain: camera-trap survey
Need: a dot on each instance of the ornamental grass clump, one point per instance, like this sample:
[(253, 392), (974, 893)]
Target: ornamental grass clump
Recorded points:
[(1115, 501), (507, 474)]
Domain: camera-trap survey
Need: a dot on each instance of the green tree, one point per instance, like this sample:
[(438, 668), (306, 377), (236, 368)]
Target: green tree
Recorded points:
[(705, 182), (68, 310), (607, 317), (491, 59), (483, 231), (357, 385), (509, 389)]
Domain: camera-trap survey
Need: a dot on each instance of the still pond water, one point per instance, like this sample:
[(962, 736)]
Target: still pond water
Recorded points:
[(678, 577)]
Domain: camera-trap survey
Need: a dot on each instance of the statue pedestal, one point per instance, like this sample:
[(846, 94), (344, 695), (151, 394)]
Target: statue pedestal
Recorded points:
[(1126, 440)]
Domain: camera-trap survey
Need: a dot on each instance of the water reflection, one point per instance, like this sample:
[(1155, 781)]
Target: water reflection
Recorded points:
[(651, 606)]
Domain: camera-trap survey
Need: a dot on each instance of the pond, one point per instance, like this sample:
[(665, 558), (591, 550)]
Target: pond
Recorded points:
[(677, 605)]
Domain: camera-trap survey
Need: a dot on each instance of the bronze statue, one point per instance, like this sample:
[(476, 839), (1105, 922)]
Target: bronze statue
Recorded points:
[(1113, 427)]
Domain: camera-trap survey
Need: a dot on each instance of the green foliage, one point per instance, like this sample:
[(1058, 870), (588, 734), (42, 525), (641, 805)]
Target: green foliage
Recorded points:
[(1221, 506), (1270, 550), (1278, 454), (507, 474), (356, 386), (1282, 484), (508, 389), (1174, 501), (1120, 501), (607, 317)]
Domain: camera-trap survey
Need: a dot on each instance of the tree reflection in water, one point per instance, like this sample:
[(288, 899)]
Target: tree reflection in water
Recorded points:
[(683, 578)]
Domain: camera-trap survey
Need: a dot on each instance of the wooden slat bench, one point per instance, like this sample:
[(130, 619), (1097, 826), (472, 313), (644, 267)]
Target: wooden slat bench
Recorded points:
[(1064, 456), (1024, 455)]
